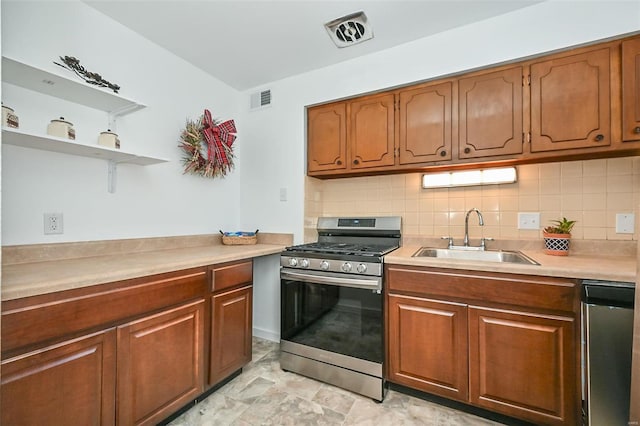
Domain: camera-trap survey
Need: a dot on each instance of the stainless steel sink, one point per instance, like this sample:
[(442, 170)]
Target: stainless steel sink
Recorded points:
[(499, 256)]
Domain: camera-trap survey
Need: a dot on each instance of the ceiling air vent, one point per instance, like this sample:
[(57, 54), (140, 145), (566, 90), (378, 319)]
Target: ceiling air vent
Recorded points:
[(261, 99), (349, 30)]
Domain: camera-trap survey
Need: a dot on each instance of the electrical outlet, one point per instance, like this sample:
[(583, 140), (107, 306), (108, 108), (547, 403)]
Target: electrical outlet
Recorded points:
[(53, 223), (283, 194), (625, 223), (528, 220)]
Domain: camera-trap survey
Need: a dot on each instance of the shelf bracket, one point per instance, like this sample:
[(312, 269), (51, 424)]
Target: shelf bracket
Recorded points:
[(112, 174), (111, 125)]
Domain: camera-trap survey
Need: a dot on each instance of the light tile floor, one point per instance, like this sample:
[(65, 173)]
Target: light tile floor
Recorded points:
[(265, 395)]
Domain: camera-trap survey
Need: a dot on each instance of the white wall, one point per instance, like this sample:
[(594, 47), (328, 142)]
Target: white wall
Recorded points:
[(150, 201), (277, 155)]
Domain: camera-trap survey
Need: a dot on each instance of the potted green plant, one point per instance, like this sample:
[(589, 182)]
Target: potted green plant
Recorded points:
[(558, 236)]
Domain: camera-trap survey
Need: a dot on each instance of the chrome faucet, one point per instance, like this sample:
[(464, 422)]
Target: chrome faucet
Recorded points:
[(465, 242)]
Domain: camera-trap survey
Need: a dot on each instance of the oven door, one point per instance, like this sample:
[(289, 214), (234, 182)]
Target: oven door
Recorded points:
[(333, 312)]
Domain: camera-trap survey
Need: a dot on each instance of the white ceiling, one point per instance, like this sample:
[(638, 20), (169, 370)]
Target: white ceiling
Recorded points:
[(250, 43)]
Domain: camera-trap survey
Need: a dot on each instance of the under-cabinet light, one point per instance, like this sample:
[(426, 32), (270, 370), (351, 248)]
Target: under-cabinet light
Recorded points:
[(470, 178)]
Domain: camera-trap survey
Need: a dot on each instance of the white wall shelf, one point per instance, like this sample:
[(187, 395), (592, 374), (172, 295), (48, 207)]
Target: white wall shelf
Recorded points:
[(66, 146), (53, 84), (20, 74)]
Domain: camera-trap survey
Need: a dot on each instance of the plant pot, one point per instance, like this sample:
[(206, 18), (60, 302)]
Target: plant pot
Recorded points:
[(556, 244)]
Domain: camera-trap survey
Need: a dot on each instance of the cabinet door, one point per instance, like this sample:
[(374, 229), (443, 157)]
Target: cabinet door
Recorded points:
[(490, 114), (523, 365), (570, 102), (372, 132), (231, 332), (631, 90), (327, 137), (160, 364), (71, 383), (427, 343), (425, 124)]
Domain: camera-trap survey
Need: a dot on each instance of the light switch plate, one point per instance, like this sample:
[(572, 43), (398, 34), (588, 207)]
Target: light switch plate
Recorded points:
[(283, 194), (528, 220), (625, 223)]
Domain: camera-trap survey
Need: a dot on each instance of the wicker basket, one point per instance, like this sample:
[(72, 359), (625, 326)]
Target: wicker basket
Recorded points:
[(239, 238)]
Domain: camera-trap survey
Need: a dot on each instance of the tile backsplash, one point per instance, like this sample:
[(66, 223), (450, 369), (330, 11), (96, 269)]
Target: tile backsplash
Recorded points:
[(590, 192)]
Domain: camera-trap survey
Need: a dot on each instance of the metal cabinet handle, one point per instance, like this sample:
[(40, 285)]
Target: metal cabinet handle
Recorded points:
[(443, 153), (467, 150), (339, 162), (356, 162), (599, 138), (636, 130)]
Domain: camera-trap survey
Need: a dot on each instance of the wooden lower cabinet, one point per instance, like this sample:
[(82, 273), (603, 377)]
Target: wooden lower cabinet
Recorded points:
[(428, 345), (523, 364), (160, 363), (131, 352), (231, 332), (506, 343), (70, 383)]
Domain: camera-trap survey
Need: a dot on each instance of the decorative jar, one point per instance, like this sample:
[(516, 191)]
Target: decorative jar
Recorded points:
[(61, 129), (9, 118), (109, 139)]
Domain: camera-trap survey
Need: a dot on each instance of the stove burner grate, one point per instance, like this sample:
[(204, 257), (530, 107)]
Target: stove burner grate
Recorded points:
[(345, 248)]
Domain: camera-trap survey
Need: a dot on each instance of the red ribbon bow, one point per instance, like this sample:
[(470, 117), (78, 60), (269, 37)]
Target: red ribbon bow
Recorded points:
[(219, 137)]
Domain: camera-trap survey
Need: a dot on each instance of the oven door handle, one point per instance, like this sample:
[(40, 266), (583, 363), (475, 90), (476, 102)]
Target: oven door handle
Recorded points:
[(371, 283)]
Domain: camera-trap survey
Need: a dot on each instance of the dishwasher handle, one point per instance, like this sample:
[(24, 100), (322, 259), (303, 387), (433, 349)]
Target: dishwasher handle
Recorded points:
[(608, 294)]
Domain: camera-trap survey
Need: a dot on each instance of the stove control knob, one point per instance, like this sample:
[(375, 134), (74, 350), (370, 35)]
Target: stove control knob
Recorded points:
[(304, 263), (324, 265), (346, 267), (293, 262), (361, 268)]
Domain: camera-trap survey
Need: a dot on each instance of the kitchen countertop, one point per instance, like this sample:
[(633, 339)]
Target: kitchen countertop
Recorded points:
[(577, 265), (40, 269), (39, 277)]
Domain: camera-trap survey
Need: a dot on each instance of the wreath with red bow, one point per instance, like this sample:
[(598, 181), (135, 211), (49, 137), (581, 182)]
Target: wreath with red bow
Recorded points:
[(207, 146)]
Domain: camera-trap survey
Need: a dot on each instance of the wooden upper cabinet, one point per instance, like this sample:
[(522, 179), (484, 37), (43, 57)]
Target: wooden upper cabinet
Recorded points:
[(372, 132), (571, 102), (578, 104), (490, 114), (327, 137), (425, 124), (631, 90)]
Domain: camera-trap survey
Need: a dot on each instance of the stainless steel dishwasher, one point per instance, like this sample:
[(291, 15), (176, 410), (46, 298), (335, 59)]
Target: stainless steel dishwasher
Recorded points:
[(607, 334)]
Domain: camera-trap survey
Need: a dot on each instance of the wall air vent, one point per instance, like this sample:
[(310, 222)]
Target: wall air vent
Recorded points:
[(349, 30), (261, 99)]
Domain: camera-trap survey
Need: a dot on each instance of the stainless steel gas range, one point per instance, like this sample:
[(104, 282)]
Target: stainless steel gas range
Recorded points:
[(331, 303)]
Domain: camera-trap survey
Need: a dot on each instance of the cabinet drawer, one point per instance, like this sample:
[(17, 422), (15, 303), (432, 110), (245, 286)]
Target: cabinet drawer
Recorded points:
[(547, 293), (230, 275), (50, 317)]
